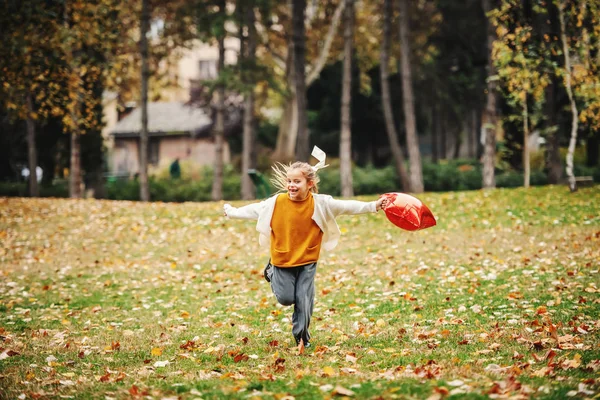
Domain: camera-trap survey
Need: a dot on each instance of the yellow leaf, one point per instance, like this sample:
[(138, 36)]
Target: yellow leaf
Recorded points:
[(185, 314), (157, 351), (328, 371)]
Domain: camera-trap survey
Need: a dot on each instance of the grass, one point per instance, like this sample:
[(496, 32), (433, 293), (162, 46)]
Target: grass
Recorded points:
[(121, 299)]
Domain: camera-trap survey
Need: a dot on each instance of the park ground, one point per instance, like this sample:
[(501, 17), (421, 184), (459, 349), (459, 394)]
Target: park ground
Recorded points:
[(109, 299)]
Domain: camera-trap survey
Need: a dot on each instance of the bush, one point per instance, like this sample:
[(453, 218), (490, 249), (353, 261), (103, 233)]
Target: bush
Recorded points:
[(509, 179), (21, 189), (447, 176)]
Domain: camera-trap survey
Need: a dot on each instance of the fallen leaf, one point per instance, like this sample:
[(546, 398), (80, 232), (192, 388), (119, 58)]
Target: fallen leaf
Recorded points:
[(342, 391), (157, 351)]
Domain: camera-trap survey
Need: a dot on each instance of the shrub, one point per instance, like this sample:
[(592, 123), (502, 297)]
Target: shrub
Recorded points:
[(21, 189), (447, 176)]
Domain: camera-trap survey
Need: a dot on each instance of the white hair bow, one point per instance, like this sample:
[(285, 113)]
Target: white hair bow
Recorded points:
[(319, 155)]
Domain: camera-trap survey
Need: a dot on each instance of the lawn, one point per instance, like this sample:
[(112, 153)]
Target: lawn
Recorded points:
[(102, 299)]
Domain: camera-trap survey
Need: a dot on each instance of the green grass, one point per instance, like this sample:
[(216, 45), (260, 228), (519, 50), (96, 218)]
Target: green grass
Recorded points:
[(499, 299)]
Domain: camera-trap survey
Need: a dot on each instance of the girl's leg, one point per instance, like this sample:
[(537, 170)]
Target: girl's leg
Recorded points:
[(283, 284), (304, 301)]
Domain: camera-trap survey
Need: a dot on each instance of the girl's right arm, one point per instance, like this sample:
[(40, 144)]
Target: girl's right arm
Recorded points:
[(251, 211)]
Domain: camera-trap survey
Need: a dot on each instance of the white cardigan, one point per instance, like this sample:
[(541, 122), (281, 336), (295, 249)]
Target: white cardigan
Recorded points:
[(326, 210)]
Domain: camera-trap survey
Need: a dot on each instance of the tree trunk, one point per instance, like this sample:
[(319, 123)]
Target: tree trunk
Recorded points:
[(473, 133), (75, 167), (31, 149), (346, 121), (219, 127), (390, 126), (75, 158), (298, 8), (315, 71), (574, 113), (443, 136), (285, 148), (248, 190), (526, 163), (490, 118), (412, 140), (553, 162), (436, 132), (593, 149), (288, 125), (143, 156), (460, 132)]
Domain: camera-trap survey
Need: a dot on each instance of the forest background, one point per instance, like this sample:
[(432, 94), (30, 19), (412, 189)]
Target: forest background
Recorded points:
[(394, 91)]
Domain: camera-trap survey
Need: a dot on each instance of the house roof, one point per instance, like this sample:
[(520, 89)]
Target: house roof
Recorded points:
[(164, 119)]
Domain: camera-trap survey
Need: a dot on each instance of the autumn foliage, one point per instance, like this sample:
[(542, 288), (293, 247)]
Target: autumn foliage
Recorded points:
[(116, 299)]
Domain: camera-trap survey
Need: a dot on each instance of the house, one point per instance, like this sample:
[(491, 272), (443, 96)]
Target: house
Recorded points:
[(175, 130)]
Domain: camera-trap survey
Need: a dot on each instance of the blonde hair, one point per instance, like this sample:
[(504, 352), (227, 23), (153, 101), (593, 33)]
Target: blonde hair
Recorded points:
[(280, 171)]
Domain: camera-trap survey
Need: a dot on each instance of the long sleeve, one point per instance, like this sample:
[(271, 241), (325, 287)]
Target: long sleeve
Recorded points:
[(251, 211), (339, 207)]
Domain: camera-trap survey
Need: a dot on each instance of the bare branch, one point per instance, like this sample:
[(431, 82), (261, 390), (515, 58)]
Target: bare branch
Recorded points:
[(315, 71)]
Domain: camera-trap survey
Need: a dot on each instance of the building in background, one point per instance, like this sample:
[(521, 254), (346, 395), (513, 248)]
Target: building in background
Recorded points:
[(175, 131), (177, 127)]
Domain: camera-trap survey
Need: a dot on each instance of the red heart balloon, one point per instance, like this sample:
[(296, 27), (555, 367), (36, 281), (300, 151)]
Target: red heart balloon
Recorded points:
[(407, 212)]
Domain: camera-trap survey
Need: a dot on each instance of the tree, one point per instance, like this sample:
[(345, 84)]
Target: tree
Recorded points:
[(569, 87), (143, 170), (288, 126), (249, 136), (580, 71), (88, 38), (219, 125), (490, 120), (386, 98), (412, 141), (521, 66), (30, 80), (298, 44), (346, 121)]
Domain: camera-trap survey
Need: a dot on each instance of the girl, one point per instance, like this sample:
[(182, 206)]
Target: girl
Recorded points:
[(295, 225)]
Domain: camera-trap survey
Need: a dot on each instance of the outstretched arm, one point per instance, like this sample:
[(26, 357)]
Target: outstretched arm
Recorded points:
[(340, 207), (251, 211)]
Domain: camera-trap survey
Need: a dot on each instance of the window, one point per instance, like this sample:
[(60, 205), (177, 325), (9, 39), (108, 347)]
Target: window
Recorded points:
[(207, 70), (153, 147), (153, 150)]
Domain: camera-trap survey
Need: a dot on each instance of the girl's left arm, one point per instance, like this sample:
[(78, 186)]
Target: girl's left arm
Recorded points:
[(339, 207)]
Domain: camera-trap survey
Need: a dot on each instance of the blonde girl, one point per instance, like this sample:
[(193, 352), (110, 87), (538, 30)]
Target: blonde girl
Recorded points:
[(295, 224)]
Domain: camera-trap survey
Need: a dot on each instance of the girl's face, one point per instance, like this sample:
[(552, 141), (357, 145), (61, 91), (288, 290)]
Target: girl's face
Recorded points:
[(297, 185)]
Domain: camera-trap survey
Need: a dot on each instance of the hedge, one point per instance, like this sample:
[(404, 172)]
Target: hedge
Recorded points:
[(449, 176)]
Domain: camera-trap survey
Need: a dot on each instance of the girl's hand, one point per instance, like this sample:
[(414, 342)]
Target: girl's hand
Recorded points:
[(382, 203)]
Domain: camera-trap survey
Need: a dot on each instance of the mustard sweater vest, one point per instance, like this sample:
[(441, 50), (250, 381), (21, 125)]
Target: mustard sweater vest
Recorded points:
[(295, 237)]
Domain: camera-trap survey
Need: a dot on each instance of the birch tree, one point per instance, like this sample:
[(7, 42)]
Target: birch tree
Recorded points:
[(523, 70)]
